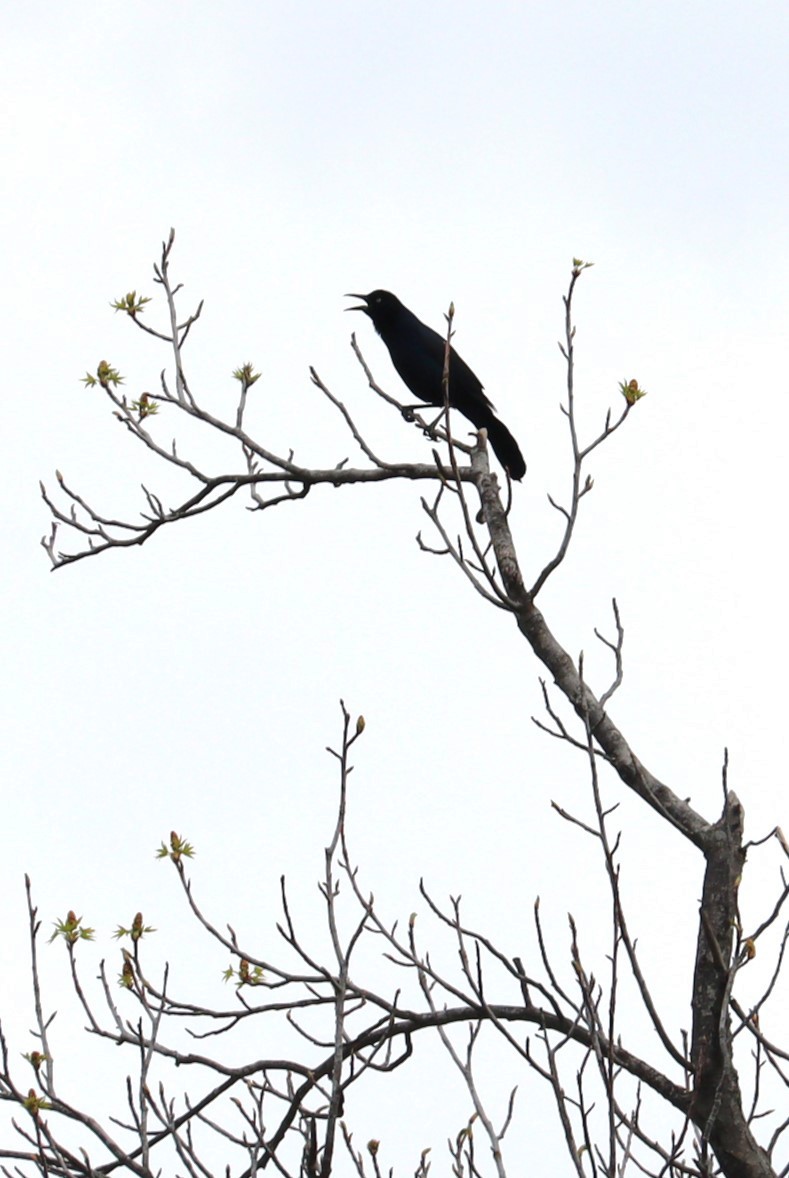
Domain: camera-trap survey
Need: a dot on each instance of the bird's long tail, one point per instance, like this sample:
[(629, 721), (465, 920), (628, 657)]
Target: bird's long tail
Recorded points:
[(504, 445)]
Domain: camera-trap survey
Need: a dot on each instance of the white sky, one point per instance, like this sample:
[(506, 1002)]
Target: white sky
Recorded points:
[(444, 151)]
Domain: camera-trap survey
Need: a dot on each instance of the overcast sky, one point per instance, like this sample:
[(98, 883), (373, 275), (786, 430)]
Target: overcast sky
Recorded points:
[(446, 151)]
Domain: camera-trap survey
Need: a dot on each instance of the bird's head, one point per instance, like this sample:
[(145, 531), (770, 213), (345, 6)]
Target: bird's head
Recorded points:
[(381, 305)]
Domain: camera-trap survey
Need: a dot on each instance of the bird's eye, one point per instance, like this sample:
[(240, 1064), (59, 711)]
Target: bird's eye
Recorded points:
[(378, 299)]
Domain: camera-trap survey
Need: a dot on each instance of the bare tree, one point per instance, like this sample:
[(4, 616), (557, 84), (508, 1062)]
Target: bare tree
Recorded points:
[(560, 1021)]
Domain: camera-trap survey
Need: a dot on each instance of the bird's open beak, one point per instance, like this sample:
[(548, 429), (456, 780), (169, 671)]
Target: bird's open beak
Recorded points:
[(357, 296)]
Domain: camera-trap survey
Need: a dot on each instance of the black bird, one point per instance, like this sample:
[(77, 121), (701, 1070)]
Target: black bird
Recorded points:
[(417, 353)]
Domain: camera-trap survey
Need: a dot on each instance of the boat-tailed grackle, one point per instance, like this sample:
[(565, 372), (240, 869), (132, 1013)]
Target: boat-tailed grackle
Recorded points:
[(417, 353)]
